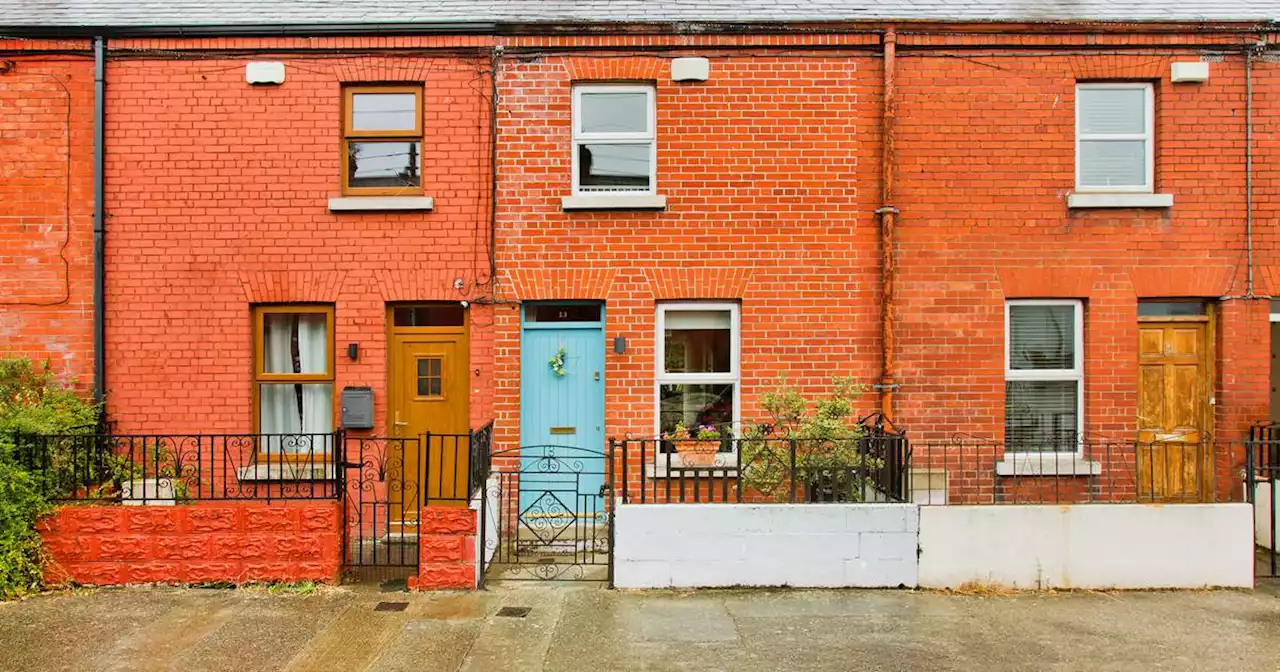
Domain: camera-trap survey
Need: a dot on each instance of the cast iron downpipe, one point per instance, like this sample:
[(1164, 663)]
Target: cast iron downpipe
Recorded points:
[(888, 214), (99, 220)]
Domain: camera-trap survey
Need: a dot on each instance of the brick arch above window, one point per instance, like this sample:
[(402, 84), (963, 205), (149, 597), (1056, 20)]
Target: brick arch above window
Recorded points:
[(698, 283), (382, 69), (1117, 66), (1046, 282), (627, 68), (292, 286)]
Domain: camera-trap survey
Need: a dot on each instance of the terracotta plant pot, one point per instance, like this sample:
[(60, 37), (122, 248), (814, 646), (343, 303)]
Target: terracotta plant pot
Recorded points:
[(698, 452)]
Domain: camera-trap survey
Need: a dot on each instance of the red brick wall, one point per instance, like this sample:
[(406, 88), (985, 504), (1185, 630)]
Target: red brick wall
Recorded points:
[(986, 158), (218, 194), (46, 211), (769, 171), (446, 550), (205, 543)]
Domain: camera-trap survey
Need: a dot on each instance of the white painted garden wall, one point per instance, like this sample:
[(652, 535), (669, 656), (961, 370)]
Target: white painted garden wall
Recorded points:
[(1264, 497), (1087, 546), (799, 545)]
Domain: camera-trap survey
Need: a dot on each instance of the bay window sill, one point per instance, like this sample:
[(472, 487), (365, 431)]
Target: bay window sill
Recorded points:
[(380, 203), (1042, 464), (1082, 200), (613, 202)]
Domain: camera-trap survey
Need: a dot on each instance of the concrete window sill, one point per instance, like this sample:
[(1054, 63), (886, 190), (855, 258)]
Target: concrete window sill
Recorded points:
[(275, 473), (1082, 200), (1047, 464), (380, 203), (613, 202)]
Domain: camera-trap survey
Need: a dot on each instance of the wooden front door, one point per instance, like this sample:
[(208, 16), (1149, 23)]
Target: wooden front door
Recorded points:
[(1175, 457), (428, 408)]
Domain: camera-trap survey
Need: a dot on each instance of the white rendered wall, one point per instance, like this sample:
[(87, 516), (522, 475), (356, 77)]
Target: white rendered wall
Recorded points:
[(800, 545), (1087, 546)]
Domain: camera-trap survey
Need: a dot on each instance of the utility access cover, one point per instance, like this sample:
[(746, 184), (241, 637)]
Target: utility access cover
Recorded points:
[(514, 612)]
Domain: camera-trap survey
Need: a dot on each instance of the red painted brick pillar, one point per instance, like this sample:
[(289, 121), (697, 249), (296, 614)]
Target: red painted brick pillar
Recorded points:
[(447, 549)]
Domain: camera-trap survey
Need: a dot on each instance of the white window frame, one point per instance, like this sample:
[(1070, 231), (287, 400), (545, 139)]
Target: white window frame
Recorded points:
[(650, 135), (733, 377), (1076, 373), (1147, 136)]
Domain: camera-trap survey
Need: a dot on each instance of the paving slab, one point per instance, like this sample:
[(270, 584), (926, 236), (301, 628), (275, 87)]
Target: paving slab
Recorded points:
[(581, 627)]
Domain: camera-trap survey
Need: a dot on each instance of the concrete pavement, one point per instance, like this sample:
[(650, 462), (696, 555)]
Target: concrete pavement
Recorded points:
[(581, 627)]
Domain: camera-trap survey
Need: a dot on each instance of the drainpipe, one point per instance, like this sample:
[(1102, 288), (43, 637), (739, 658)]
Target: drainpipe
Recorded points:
[(1248, 169), (99, 220), (888, 215)]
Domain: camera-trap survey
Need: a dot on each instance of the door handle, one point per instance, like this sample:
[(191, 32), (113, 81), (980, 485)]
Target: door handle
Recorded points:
[(398, 424)]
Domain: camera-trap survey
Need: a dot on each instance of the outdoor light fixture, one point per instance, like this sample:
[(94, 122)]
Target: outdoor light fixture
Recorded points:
[(619, 345), (353, 351)]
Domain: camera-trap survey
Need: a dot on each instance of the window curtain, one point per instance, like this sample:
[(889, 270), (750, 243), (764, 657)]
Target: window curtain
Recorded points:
[(295, 344)]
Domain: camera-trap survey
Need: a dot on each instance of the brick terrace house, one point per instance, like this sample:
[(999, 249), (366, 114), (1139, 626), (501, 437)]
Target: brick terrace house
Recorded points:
[(1022, 223)]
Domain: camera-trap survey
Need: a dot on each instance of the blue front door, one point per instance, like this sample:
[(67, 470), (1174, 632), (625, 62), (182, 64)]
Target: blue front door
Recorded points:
[(562, 407)]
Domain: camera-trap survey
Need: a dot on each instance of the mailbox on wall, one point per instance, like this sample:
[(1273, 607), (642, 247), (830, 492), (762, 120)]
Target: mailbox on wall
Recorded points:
[(357, 408)]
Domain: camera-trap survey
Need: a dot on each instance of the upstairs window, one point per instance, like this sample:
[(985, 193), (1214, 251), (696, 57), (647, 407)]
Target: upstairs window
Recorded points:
[(1044, 376), (382, 140), (614, 148), (1115, 139)]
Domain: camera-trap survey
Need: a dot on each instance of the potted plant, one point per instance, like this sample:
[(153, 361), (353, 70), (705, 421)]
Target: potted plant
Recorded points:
[(154, 480), (809, 449), (697, 446)]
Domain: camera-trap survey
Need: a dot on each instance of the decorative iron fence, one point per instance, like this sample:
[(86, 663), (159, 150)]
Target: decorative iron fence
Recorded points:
[(870, 468), (1262, 471), (150, 468), (889, 468)]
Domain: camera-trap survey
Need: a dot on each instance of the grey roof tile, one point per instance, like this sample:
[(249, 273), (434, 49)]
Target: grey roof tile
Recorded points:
[(141, 13)]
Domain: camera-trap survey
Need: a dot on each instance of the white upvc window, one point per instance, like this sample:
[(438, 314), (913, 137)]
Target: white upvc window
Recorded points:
[(1044, 376), (1115, 137), (614, 140), (697, 368)]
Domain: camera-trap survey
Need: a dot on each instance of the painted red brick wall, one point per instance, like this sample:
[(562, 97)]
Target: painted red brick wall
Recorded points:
[(204, 543), (446, 549), (769, 171), (46, 210), (218, 193)]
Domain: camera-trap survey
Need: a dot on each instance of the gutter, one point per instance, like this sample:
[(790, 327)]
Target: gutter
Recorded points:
[(99, 219), (888, 221)]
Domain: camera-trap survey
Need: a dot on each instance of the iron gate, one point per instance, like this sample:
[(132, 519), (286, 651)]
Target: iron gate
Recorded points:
[(547, 514), (385, 484)]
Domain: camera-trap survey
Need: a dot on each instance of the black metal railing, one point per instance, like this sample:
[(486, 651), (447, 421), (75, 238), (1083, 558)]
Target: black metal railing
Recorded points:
[(889, 468), (868, 468), (150, 468), (1262, 476), (481, 458)]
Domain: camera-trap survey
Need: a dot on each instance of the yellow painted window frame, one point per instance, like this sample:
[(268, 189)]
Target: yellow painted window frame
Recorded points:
[(260, 377), (350, 135)]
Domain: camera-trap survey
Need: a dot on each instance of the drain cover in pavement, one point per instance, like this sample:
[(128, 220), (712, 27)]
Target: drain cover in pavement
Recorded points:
[(391, 606), (514, 612)]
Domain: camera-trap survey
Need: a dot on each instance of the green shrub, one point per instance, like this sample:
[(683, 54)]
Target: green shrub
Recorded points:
[(20, 550), (33, 401)]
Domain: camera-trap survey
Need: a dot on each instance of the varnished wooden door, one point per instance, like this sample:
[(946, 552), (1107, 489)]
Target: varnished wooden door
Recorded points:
[(1175, 460), (428, 408)]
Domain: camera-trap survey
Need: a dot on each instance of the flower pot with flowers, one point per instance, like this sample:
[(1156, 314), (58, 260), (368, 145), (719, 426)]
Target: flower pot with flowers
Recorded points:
[(697, 446)]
